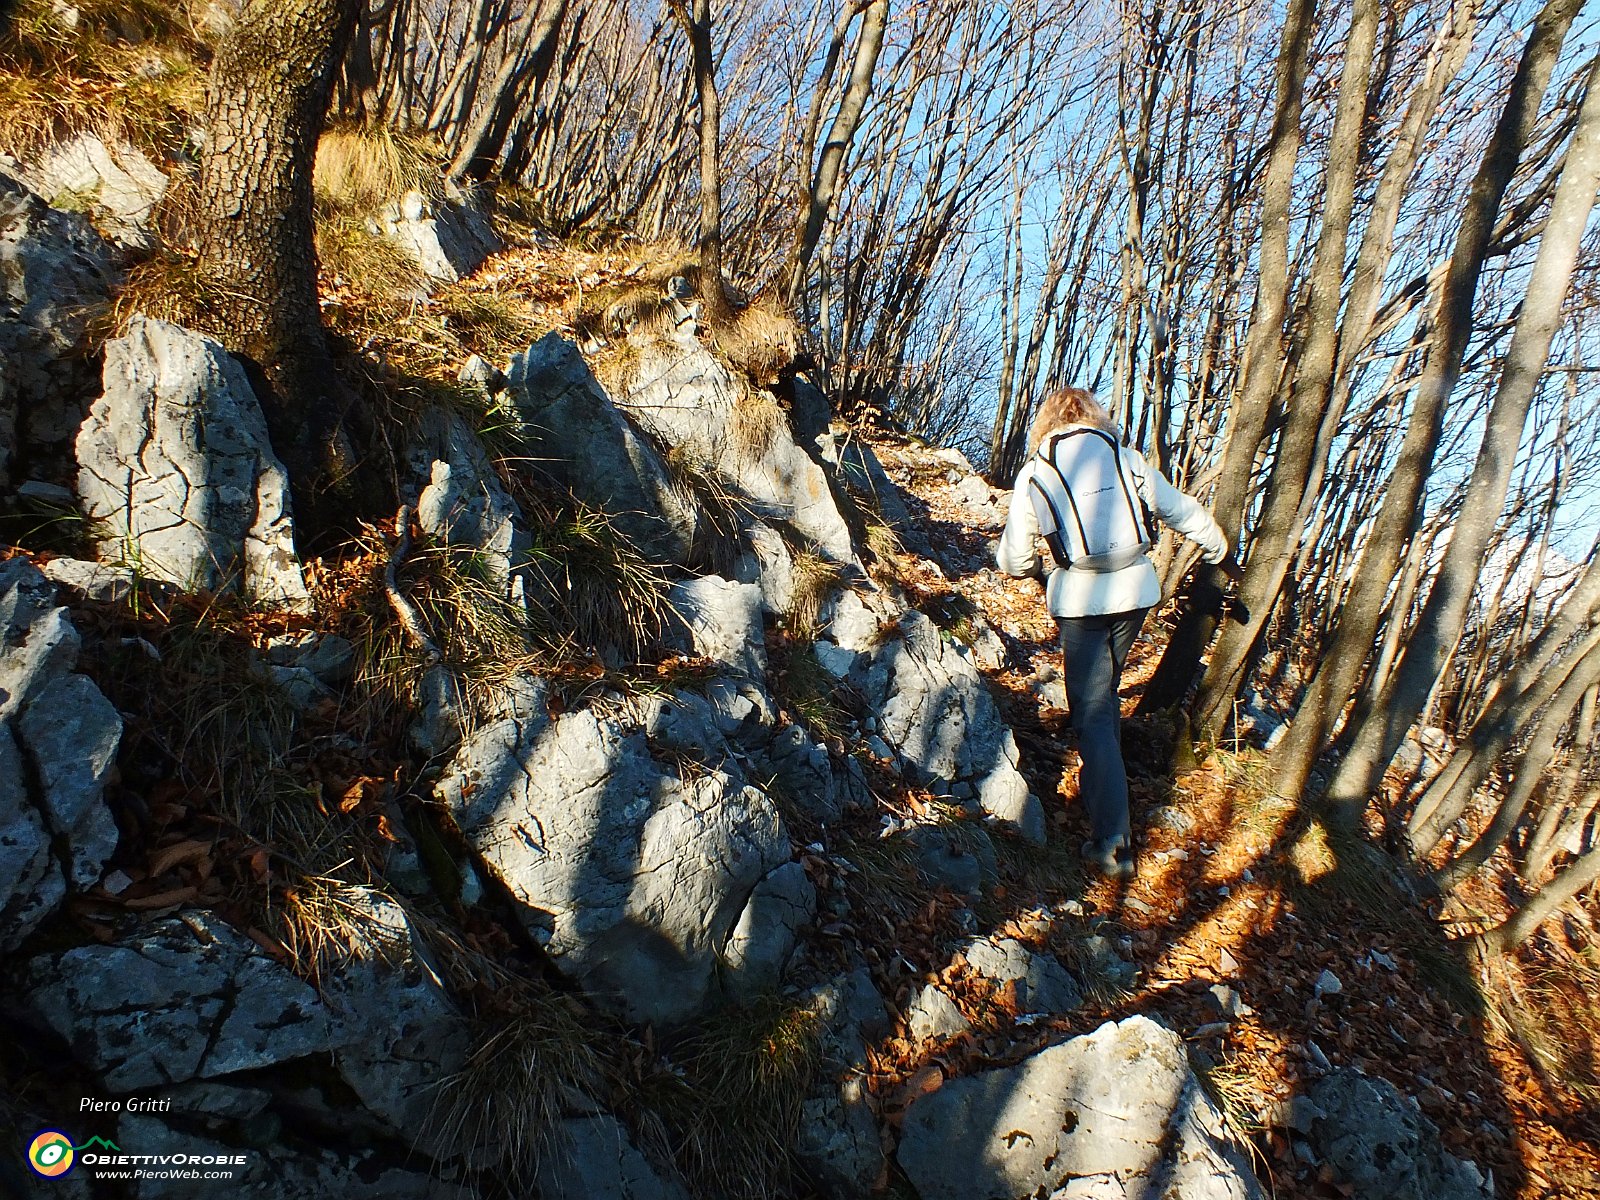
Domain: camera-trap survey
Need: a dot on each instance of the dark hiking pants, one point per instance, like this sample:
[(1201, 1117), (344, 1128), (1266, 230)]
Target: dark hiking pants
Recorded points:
[(1093, 650)]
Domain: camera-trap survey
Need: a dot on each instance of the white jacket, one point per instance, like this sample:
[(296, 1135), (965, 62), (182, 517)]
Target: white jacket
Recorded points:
[(1079, 593)]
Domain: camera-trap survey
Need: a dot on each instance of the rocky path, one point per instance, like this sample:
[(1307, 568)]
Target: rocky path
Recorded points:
[(1284, 962)]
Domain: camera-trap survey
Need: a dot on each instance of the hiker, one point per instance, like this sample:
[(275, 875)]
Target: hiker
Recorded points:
[(1091, 497)]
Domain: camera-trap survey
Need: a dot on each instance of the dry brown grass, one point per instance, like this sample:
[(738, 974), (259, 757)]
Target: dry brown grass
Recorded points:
[(815, 578), (762, 340), (361, 169), (754, 425), (127, 70)]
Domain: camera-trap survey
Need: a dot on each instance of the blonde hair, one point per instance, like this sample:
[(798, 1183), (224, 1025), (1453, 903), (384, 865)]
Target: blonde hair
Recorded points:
[(1069, 406)]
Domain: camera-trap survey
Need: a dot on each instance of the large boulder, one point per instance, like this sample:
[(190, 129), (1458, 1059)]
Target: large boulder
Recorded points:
[(176, 472), (58, 745), (632, 870), (186, 997), (117, 180), (681, 394), (934, 709), (1381, 1146), (570, 422), (54, 271), (1116, 1112)]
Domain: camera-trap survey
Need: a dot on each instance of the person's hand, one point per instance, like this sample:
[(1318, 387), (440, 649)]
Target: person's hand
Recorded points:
[(1230, 567)]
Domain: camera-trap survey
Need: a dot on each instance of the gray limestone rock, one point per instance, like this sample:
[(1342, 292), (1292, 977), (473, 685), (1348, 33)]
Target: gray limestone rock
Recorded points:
[(963, 863), (932, 1014), (682, 395), (1043, 984), (182, 998), (458, 495), (631, 870), (867, 478), (839, 1141), (177, 475), (768, 563), (593, 1158), (58, 744), (449, 236), (723, 621), (71, 733), (1120, 1101), (54, 269), (397, 1031), (1378, 1142), (763, 940), (119, 182), (809, 777), (569, 420), (277, 1171), (96, 581), (936, 712)]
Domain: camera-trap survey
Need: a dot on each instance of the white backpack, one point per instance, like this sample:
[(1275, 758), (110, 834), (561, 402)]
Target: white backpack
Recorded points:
[(1087, 502)]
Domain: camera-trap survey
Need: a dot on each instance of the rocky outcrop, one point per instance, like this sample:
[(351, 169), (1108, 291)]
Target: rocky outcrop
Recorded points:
[(449, 236), (58, 744), (54, 270), (723, 622), (119, 182), (588, 445), (763, 939), (458, 495), (1115, 1113), (934, 709), (187, 997), (632, 871), (176, 473), (1381, 1146), (593, 1158), (839, 1141), (682, 395)]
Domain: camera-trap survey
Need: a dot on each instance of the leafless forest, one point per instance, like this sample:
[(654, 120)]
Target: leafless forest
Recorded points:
[(1330, 267)]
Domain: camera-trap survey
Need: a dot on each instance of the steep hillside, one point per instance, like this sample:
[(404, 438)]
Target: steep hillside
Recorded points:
[(669, 800)]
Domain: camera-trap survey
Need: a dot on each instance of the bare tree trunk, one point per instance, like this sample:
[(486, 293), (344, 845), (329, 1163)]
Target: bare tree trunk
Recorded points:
[(696, 23), (1282, 517), (1543, 905), (526, 65), (1252, 409), (1561, 817), (817, 198), (1536, 756), (1439, 627), (266, 101)]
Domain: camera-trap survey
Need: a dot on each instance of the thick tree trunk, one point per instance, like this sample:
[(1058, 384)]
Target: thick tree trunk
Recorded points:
[(266, 101), (1252, 409), (1439, 627)]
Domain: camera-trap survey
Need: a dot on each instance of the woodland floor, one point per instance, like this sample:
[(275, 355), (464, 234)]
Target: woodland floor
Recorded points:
[(1248, 894), (1253, 897)]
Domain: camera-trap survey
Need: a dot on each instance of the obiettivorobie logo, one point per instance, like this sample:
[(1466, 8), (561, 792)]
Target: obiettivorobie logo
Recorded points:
[(51, 1153)]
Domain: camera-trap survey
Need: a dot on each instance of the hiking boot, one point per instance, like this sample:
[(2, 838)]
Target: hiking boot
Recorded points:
[(1112, 859)]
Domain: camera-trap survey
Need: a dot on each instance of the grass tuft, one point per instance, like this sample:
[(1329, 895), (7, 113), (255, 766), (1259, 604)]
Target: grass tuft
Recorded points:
[(528, 1068), (360, 169), (726, 1104), (814, 579), (761, 340)]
